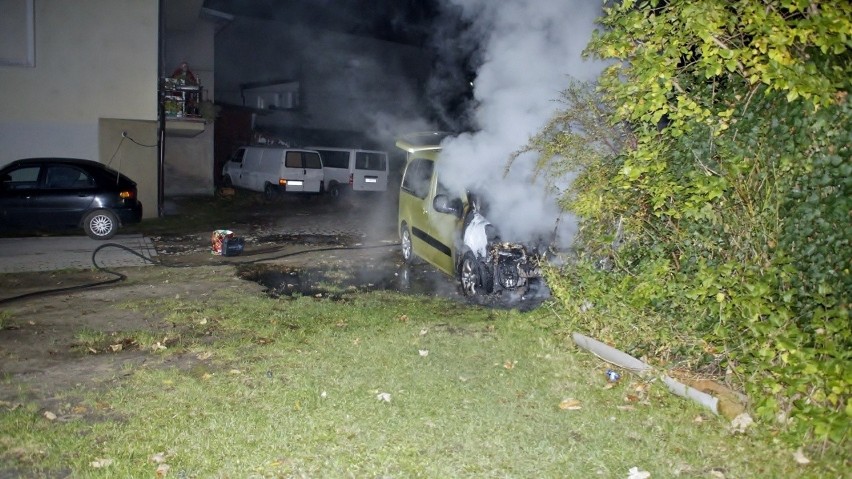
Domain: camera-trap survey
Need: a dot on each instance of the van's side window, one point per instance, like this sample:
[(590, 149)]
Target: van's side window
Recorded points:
[(335, 159), (312, 160), (370, 161), (238, 156), (293, 159), (418, 175)]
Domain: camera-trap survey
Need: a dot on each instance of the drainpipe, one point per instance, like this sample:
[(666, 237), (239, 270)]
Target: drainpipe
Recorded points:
[(161, 110)]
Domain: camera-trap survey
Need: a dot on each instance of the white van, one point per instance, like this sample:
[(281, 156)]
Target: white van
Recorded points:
[(353, 169), (272, 170)]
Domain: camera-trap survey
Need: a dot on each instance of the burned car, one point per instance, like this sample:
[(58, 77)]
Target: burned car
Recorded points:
[(449, 230)]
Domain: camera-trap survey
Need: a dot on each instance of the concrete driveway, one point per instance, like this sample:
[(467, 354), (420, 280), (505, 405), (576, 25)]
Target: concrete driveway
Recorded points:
[(71, 252)]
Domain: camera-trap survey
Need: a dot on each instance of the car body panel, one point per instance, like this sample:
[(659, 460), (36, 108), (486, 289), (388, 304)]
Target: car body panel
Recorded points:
[(285, 169), (53, 193), (449, 231), (434, 234), (353, 168)]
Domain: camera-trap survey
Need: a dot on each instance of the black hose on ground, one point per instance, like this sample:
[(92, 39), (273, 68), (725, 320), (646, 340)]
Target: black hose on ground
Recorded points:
[(121, 277)]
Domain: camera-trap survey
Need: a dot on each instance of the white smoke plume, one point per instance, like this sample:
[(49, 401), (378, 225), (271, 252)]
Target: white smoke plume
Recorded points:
[(529, 50)]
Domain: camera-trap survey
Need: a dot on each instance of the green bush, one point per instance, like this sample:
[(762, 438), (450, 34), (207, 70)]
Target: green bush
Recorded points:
[(715, 232)]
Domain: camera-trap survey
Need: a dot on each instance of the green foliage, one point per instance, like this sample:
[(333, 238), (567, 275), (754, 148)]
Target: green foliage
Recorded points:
[(720, 234)]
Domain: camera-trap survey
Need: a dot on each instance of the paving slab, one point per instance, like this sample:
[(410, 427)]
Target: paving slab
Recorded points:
[(73, 252)]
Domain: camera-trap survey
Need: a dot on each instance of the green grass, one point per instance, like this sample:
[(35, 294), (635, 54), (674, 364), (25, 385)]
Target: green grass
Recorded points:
[(289, 388)]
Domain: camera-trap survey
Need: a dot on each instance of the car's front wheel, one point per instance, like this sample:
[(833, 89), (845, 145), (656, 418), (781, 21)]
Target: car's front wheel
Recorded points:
[(100, 224), (474, 276), (406, 246)]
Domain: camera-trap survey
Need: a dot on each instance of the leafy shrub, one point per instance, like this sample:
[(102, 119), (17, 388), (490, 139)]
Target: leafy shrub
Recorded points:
[(717, 231)]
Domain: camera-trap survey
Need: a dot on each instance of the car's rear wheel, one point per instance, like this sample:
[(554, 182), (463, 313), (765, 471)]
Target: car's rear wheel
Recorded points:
[(270, 192), (406, 246), (334, 190), (100, 224), (474, 276)]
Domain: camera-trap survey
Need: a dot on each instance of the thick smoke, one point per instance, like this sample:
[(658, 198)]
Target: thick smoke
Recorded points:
[(528, 51)]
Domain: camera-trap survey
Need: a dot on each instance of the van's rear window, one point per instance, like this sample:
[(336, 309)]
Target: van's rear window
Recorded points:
[(312, 160), (370, 161)]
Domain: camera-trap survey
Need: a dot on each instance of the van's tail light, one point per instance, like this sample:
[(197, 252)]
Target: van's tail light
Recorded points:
[(127, 194), (351, 179), (282, 182)]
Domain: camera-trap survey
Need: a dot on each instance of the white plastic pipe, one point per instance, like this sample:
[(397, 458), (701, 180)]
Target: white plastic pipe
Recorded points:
[(626, 361)]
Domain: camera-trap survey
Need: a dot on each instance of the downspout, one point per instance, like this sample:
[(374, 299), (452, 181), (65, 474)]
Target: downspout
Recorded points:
[(161, 111)]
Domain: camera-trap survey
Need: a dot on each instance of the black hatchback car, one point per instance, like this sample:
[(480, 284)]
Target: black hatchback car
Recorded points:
[(52, 193)]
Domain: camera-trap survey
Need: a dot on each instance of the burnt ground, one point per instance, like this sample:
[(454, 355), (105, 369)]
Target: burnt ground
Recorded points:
[(293, 246)]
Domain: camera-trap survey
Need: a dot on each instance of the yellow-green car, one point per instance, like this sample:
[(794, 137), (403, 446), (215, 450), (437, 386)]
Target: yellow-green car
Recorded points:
[(446, 228)]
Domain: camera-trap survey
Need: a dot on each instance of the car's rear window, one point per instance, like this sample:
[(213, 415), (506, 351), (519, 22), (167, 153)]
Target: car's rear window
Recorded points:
[(293, 159), (312, 160), (370, 161)]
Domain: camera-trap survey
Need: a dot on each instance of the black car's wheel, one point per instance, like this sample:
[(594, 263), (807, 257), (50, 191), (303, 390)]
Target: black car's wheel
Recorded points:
[(270, 192), (100, 224), (226, 181), (405, 245), (474, 276)]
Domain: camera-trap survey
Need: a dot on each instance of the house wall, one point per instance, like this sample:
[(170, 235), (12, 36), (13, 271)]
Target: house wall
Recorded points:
[(348, 83), (94, 60)]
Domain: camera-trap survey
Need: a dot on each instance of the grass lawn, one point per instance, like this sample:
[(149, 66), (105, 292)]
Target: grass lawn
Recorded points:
[(377, 385)]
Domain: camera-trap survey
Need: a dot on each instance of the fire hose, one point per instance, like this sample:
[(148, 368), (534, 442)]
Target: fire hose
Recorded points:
[(118, 277)]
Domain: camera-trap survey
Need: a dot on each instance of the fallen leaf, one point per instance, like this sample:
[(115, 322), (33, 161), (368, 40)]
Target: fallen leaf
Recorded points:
[(800, 458), (206, 376), (204, 356), (49, 415), (101, 463), (235, 371), (570, 404), (716, 474), (698, 419), (631, 398), (510, 364), (116, 347), (79, 409), (627, 407), (158, 458), (635, 473), (323, 394), (424, 352), (403, 318), (424, 331), (162, 470), (385, 397), (203, 321)]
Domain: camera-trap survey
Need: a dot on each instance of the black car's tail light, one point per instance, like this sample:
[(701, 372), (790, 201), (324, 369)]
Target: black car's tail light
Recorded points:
[(127, 194)]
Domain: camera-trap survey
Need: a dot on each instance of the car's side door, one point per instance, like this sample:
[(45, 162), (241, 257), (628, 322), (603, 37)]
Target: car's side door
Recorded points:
[(431, 232), (65, 195), (18, 187), (234, 167)]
